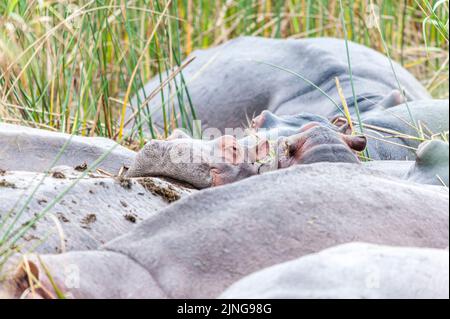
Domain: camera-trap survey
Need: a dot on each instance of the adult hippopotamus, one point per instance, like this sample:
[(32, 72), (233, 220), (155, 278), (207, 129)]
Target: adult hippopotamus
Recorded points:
[(202, 244), (29, 149), (355, 270), (97, 209), (233, 82), (390, 133), (226, 159)]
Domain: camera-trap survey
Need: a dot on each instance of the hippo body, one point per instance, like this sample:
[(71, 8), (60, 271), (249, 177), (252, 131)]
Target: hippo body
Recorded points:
[(96, 210), (228, 84), (34, 150), (202, 244), (356, 271), (431, 165)]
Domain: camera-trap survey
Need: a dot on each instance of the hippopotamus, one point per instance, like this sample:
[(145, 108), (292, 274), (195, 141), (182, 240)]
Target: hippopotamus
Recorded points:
[(199, 163), (233, 82), (390, 133), (200, 245), (226, 159), (431, 165), (374, 272), (29, 149), (97, 209)]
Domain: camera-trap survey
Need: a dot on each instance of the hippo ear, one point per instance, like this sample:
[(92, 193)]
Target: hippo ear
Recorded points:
[(356, 142), (26, 274), (342, 124), (260, 151), (393, 99), (178, 134), (230, 150)]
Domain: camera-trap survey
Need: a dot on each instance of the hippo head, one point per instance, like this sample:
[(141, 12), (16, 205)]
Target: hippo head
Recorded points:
[(287, 124), (198, 162), (316, 143)]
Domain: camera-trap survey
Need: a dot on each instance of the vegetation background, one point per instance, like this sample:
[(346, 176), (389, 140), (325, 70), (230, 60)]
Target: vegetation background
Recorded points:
[(72, 66)]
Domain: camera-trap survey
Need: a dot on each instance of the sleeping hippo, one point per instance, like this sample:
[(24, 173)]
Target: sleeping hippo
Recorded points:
[(29, 149), (224, 160), (389, 131), (200, 245), (235, 81), (198, 162), (355, 270)]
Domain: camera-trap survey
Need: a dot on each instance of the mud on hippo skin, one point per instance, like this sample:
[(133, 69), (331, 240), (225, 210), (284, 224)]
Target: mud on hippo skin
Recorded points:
[(96, 210), (29, 149), (245, 87), (220, 237), (375, 272)]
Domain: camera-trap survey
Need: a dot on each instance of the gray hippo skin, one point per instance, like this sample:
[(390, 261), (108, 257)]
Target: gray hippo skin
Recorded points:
[(356, 271), (202, 244), (430, 167), (198, 162), (432, 117), (389, 131), (96, 210), (225, 160), (432, 164), (227, 85), (29, 149)]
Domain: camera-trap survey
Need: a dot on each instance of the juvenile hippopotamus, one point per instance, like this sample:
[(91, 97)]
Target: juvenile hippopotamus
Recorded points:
[(355, 270), (389, 131), (34, 150), (200, 245), (233, 82), (226, 159)]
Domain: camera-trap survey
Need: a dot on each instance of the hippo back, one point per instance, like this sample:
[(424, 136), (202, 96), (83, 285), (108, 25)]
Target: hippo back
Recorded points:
[(232, 82)]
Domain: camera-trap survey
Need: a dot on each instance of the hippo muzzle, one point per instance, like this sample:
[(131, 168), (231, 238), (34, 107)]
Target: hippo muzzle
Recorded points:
[(316, 143)]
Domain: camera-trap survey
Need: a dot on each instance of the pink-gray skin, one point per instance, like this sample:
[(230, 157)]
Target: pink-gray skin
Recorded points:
[(199, 163), (308, 138), (315, 143)]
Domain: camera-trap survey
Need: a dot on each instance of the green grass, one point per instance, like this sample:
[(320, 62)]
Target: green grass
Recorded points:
[(73, 66)]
